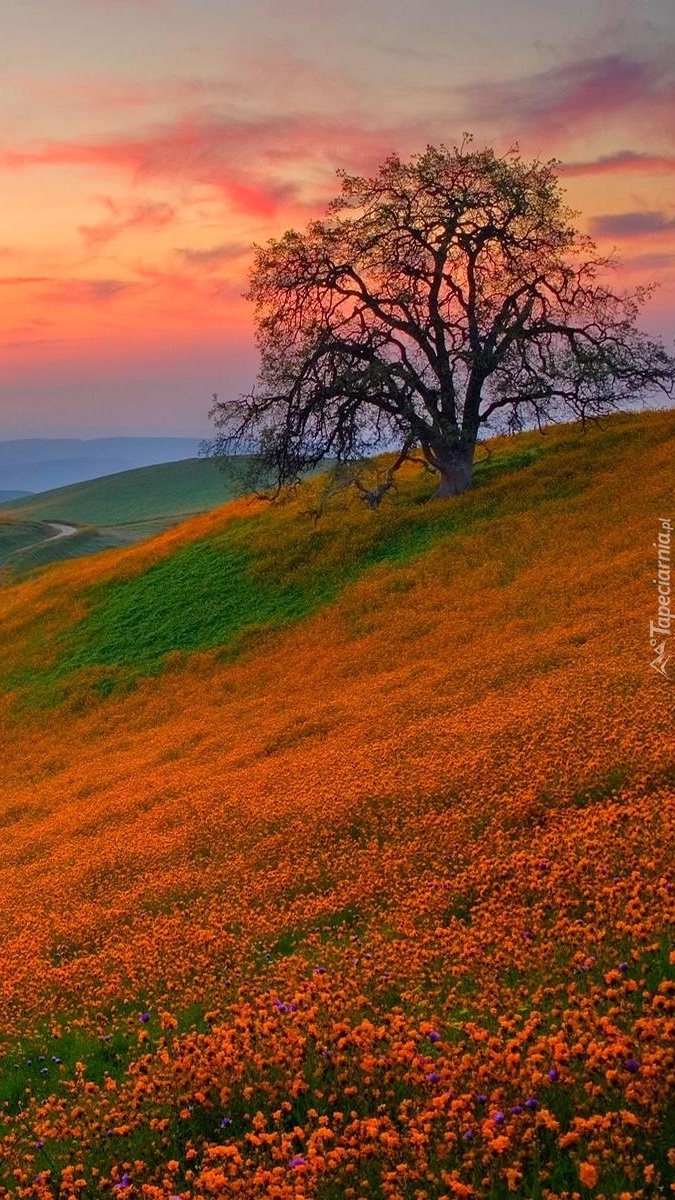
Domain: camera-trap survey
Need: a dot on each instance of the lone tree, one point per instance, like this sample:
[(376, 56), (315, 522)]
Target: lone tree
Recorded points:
[(444, 295)]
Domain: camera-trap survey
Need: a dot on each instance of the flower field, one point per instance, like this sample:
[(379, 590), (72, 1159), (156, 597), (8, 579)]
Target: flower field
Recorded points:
[(338, 852)]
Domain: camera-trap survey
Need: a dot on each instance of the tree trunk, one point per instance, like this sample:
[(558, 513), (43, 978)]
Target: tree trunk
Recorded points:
[(455, 466)]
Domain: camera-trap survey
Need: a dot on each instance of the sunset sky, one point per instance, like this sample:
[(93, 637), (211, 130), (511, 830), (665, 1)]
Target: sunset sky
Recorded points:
[(146, 144)]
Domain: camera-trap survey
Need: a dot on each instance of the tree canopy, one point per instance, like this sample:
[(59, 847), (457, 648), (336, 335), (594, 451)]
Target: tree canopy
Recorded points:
[(444, 296)]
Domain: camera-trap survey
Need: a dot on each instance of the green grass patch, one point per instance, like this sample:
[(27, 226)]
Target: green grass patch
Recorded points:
[(203, 596), (17, 534), (603, 790), (280, 566), (37, 1067)]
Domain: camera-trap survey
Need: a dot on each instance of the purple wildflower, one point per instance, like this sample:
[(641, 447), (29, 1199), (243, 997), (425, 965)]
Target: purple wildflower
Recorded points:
[(481, 1099), (226, 1122), (516, 1109), (553, 1075), (433, 1077), (532, 1103), (298, 1161), (144, 1018), (632, 1065), (434, 1036)]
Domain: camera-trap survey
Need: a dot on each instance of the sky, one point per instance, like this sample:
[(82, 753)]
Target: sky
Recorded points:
[(146, 145)]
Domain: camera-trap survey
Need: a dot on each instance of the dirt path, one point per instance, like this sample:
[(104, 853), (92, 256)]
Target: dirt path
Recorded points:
[(62, 531)]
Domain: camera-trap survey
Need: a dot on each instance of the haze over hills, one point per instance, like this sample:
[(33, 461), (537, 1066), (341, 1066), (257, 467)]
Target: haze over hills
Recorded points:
[(12, 494), (40, 464)]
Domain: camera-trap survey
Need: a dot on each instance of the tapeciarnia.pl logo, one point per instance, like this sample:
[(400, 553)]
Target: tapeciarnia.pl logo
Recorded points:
[(660, 629)]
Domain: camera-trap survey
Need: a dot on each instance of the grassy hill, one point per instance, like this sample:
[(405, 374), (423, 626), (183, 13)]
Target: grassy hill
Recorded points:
[(338, 855), (168, 490), (115, 510)]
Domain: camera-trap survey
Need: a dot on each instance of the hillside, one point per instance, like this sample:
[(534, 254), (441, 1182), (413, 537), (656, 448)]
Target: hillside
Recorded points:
[(115, 510), (176, 489), (338, 854)]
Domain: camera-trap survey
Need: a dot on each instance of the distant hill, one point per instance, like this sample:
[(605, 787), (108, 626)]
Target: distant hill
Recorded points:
[(165, 490), (41, 464), (115, 510), (12, 495)]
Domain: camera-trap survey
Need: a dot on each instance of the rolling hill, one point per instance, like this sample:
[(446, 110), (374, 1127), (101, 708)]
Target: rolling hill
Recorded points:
[(338, 849), (114, 510)]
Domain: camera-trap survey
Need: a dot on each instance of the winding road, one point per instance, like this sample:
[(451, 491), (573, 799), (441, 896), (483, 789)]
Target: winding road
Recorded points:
[(62, 531)]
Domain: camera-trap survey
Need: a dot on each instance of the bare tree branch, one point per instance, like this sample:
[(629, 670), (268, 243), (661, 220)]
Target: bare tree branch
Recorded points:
[(438, 295)]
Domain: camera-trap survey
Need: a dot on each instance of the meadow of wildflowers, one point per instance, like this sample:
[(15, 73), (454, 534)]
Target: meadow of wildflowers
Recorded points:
[(338, 855)]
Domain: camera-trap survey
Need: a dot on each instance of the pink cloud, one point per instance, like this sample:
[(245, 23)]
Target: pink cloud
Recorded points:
[(632, 224), (147, 215), (565, 100), (213, 256), (620, 162), (650, 262), (242, 157), (90, 291)]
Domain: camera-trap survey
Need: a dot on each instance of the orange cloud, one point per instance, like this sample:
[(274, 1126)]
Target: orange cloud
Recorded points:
[(248, 159), (147, 215), (23, 280)]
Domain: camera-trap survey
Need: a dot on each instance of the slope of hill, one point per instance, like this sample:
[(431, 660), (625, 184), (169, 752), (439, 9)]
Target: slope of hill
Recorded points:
[(176, 489), (338, 855), (117, 509)]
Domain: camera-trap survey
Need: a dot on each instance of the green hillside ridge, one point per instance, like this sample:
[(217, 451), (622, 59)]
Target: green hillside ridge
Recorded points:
[(16, 535), (113, 510), (168, 490), (257, 573)]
